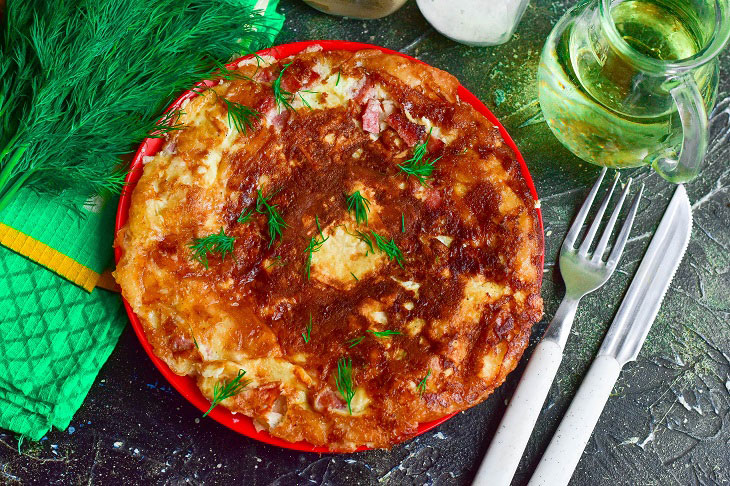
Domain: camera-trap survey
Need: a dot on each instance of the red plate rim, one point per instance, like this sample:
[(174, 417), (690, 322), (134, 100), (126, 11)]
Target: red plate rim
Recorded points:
[(186, 386)]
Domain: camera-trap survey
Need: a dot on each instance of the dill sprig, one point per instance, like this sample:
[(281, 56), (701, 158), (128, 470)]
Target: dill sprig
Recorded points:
[(282, 97), (215, 243), (195, 341), (386, 333), (354, 341), (389, 248), (422, 384), (338, 78), (78, 90), (246, 215), (315, 244), (355, 277), (343, 381), (360, 205), (402, 223), (365, 239), (308, 335), (277, 262), (223, 390), (419, 166), (275, 222), (241, 117)]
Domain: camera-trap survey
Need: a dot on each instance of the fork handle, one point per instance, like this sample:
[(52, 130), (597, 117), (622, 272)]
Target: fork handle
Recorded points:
[(505, 450), (566, 447)]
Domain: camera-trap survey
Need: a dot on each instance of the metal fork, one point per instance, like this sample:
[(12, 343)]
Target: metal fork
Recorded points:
[(583, 272)]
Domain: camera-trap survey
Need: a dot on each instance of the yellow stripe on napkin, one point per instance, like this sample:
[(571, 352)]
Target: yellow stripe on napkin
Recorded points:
[(49, 257)]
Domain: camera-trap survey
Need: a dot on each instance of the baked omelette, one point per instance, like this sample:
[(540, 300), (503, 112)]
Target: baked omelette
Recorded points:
[(336, 246)]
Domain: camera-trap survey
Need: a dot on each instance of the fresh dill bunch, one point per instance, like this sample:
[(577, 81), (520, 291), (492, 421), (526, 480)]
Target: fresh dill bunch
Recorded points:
[(344, 382), (422, 384), (215, 243), (386, 333), (419, 166), (315, 244), (83, 82), (282, 96), (360, 205), (223, 390), (308, 335), (241, 117), (354, 341), (389, 248), (275, 222)]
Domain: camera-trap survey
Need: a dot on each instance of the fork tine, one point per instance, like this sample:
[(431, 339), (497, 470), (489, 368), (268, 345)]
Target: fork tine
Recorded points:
[(585, 246), (603, 242), (580, 218), (625, 230)]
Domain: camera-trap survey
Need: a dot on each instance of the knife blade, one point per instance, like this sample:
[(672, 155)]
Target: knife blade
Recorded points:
[(622, 343)]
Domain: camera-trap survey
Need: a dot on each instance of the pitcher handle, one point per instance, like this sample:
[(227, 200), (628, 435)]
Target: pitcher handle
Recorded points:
[(692, 113)]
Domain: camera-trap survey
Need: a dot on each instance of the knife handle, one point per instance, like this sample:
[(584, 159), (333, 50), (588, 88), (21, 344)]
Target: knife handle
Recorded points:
[(562, 455), (505, 450)]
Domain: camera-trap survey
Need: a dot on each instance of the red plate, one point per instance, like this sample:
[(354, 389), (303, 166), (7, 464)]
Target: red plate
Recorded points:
[(150, 146)]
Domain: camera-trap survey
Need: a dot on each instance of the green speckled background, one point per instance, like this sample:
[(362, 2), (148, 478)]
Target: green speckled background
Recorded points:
[(667, 423)]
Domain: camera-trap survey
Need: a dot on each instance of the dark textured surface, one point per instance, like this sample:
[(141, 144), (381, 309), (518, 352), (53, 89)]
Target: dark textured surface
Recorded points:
[(666, 423)]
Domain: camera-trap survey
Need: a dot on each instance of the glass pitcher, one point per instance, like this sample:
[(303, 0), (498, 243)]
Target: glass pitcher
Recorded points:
[(624, 83)]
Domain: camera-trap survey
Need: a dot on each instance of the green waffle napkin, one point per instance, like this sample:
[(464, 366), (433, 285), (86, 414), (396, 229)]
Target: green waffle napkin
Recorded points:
[(56, 328)]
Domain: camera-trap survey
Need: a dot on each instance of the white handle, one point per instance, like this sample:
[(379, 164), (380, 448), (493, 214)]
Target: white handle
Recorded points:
[(505, 450), (562, 455)]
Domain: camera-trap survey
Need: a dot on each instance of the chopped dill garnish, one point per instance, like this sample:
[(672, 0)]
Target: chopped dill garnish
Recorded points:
[(223, 390), (353, 276), (338, 78), (402, 223), (385, 333), (282, 96), (389, 248), (240, 117), (418, 166), (195, 341), (343, 381), (354, 341), (245, 216), (308, 335), (215, 243), (365, 239), (422, 384), (275, 221), (315, 244), (276, 262), (360, 205)]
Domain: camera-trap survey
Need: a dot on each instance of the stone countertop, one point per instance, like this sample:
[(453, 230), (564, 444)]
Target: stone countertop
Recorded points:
[(666, 423)]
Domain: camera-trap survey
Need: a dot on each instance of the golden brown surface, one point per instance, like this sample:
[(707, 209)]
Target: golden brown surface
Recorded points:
[(464, 301)]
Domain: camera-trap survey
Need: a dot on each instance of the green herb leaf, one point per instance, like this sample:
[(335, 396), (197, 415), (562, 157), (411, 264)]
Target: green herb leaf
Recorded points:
[(282, 97), (354, 341), (308, 335), (240, 116), (277, 262), (223, 390), (314, 245), (215, 243), (402, 223), (338, 78), (195, 342), (343, 381), (275, 222), (386, 333), (360, 205), (419, 166), (353, 276), (389, 248), (245, 216), (422, 384), (365, 239)]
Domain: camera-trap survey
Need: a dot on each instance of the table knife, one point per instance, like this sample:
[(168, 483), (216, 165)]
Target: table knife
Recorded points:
[(621, 344)]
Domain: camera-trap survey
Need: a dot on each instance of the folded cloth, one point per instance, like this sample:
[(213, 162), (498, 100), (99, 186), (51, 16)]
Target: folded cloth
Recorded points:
[(57, 326)]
